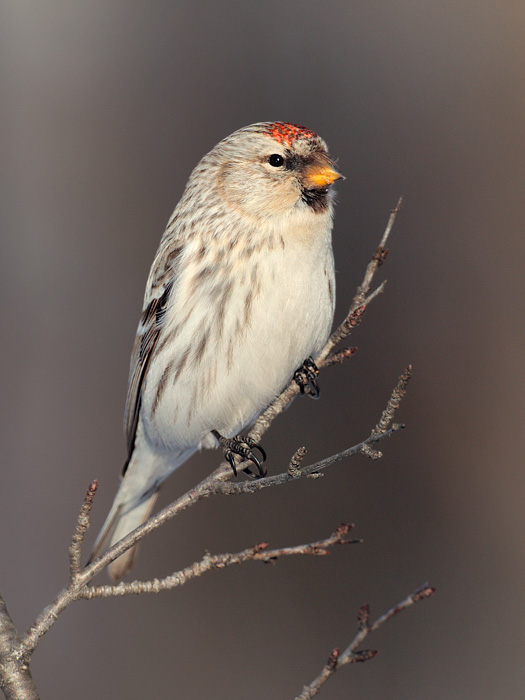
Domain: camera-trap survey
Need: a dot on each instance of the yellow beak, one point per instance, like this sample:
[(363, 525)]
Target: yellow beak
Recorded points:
[(321, 175)]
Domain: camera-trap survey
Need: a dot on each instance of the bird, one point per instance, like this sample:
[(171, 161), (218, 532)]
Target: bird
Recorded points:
[(239, 298)]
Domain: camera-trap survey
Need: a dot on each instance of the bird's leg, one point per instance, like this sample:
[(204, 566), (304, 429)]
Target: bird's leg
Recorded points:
[(244, 447), (306, 378)]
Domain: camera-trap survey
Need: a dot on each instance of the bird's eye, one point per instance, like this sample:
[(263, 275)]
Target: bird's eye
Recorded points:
[(276, 160)]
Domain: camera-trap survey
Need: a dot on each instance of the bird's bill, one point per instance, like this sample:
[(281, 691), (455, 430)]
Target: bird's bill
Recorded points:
[(321, 174)]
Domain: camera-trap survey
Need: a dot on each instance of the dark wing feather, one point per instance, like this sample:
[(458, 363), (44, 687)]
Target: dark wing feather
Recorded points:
[(147, 336)]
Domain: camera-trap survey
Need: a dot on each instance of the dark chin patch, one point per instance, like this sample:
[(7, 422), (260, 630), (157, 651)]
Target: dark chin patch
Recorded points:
[(316, 198)]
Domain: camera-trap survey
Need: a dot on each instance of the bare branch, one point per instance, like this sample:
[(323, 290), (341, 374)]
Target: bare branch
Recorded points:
[(216, 483), (258, 552), (381, 431), (75, 548), (78, 586), (360, 297), (351, 654), (393, 402), (47, 618), (219, 480), (230, 488), (422, 593), (15, 678), (212, 485)]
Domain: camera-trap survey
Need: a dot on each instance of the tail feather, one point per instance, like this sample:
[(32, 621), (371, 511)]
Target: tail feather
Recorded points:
[(134, 502), (123, 526), (122, 520), (105, 533)]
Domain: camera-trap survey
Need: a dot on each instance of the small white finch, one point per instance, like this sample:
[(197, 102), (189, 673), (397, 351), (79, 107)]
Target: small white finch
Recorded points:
[(240, 294)]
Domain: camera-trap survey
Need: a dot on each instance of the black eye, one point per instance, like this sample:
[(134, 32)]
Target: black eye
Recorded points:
[(276, 160)]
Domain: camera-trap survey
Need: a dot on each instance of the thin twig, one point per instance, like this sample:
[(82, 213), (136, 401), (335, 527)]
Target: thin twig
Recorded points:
[(381, 431), (258, 552), (47, 618), (393, 402), (351, 654), (207, 487), (360, 297), (231, 488), (75, 548)]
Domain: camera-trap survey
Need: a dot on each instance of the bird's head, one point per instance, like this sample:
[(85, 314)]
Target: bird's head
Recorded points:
[(272, 169)]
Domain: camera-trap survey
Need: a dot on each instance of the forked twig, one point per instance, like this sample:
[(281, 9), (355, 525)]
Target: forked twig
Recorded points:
[(351, 654), (78, 585), (258, 552)]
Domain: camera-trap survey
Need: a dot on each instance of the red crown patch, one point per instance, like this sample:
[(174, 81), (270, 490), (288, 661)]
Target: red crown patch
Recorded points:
[(288, 133)]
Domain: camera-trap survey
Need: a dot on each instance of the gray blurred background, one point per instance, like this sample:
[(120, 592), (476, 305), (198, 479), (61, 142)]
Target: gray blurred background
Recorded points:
[(106, 107)]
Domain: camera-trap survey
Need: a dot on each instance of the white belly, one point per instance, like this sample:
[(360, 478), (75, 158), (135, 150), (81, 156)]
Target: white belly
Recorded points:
[(279, 313)]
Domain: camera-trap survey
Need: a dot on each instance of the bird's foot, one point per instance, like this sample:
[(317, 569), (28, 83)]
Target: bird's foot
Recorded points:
[(306, 378), (244, 447)]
